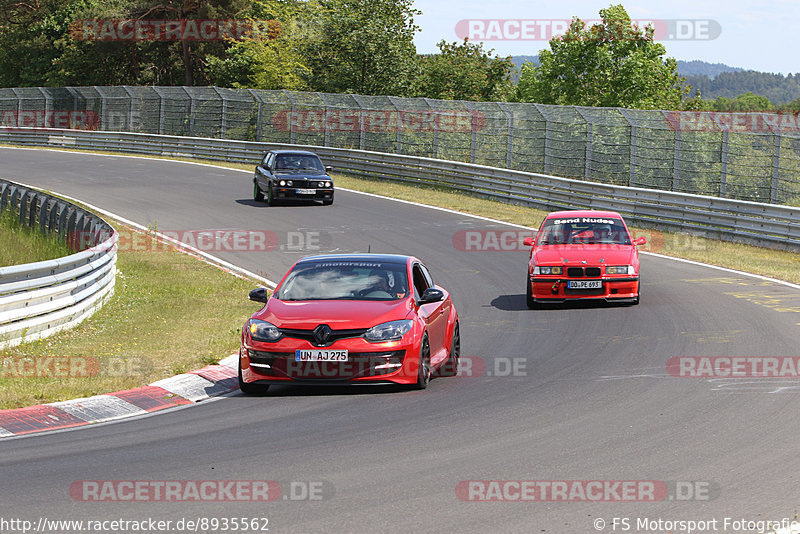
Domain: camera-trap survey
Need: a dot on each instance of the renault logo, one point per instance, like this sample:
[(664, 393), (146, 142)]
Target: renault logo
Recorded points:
[(322, 334)]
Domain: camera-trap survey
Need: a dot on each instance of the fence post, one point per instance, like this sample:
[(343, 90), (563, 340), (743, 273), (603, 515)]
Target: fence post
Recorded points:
[(191, 110), (546, 138), (224, 126), (634, 133), (676, 160), (257, 98), (776, 165), (160, 110), (291, 116), (399, 125), (131, 108), (723, 157), (509, 135), (587, 157), (435, 148)]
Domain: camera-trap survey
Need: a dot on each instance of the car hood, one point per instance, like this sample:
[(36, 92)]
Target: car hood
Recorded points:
[(591, 254), (312, 175), (338, 314)]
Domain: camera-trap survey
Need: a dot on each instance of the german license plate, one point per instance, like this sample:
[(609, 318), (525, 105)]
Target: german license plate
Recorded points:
[(320, 355), (585, 284), (306, 191)]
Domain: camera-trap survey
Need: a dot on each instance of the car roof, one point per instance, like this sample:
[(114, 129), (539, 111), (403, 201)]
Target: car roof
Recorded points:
[(362, 257), (582, 213), (293, 152)]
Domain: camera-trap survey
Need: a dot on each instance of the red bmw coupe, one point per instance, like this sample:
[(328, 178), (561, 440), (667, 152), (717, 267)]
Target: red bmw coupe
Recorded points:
[(579, 255), (350, 319)]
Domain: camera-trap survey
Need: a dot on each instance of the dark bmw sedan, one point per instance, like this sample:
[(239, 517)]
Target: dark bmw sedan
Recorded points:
[(292, 175)]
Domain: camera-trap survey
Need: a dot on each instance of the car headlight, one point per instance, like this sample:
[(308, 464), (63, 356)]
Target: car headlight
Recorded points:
[(290, 183), (391, 331), (320, 184), (263, 331), (282, 183), (327, 184), (547, 270), (620, 269)]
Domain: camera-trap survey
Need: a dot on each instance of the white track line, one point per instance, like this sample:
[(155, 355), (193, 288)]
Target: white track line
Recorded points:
[(445, 210)]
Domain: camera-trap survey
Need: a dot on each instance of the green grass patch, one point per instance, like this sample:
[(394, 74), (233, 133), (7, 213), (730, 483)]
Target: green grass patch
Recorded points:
[(21, 244), (170, 313)]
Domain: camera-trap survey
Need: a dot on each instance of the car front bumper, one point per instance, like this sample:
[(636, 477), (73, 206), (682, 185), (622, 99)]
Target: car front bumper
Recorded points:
[(275, 363), (293, 193), (553, 289)]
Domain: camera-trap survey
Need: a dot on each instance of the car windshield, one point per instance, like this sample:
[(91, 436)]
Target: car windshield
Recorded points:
[(345, 280), (584, 231), (298, 162)]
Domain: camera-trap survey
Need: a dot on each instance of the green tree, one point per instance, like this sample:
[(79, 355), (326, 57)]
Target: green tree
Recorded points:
[(614, 64), (362, 46), (275, 62), (744, 102), (464, 71)]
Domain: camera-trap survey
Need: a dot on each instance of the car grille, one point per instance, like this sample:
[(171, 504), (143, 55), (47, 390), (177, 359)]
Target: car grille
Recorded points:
[(580, 272), (360, 364), (308, 335), (597, 291)]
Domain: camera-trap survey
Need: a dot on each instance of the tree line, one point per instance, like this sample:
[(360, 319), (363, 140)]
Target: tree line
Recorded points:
[(336, 46)]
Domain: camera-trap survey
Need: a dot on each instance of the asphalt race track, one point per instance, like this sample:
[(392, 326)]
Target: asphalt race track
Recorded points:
[(591, 399)]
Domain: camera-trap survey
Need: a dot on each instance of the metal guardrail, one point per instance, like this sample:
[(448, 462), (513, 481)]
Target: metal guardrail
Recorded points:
[(42, 298), (751, 156), (766, 225)]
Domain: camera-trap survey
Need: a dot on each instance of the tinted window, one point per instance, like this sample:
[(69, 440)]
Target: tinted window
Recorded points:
[(583, 230), (350, 280), (298, 162)]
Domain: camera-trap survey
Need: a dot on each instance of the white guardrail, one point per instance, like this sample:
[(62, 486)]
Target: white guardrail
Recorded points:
[(42, 298), (767, 225)]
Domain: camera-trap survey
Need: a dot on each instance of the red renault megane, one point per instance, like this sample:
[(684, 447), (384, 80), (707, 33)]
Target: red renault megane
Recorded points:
[(348, 319), (579, 255)]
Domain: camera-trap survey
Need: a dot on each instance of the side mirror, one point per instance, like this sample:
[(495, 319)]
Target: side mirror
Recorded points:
[(529, 241), (431, 295), (259, 294), (328, 168), (640, 241)]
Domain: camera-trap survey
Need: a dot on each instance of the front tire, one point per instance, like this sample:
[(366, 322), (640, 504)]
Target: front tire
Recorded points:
[(450, 367), (270, 200), (424, 367), (250, 389), (258, 195), (529, 300)]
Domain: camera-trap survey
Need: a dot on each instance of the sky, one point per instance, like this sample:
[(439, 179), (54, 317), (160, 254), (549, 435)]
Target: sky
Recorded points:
[(760, 35)]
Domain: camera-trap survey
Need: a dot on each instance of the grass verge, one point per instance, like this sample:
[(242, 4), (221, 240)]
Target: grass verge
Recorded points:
[(21, 244), (170, 313)]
